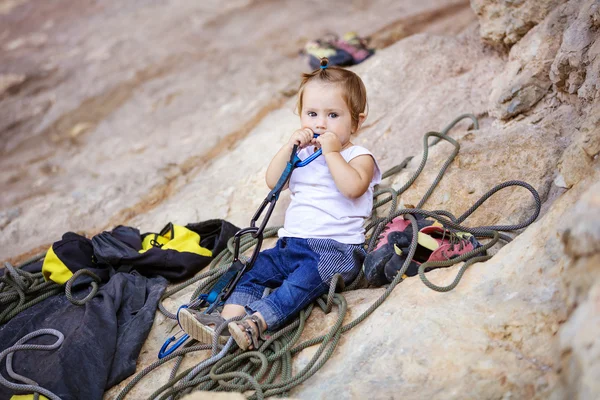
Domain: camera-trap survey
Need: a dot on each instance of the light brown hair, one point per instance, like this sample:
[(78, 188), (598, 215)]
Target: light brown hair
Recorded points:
[(353, 88)]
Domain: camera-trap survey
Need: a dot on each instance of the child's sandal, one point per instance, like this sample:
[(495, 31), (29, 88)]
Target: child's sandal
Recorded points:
[(246, 335), (201, 326)]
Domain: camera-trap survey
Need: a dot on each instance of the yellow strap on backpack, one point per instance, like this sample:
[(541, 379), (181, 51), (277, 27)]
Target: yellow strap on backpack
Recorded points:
[(27, 397), (53, 269), (179, 238)]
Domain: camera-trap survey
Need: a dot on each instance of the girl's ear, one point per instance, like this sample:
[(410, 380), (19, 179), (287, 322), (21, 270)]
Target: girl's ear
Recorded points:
[(361, 119)]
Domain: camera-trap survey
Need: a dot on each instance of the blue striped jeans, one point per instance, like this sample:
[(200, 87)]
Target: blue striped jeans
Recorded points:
[(299, 271)]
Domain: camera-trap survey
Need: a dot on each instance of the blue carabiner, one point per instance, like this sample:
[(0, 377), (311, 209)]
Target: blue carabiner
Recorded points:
[(165, 350), (309, 159), (303, 163)]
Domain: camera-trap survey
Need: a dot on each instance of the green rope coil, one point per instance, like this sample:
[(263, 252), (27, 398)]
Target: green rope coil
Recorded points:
[(20, 289)]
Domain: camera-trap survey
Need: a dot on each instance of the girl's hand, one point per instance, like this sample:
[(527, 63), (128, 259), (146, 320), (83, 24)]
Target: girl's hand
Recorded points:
[(302, 137), (329, 143)]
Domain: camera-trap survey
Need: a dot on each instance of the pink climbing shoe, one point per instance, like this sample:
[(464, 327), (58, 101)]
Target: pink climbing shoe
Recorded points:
[(434, 243), (354, 45)]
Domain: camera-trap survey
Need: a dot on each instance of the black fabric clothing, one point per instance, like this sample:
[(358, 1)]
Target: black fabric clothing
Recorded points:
[(103, 338), (77, 252), (118, 250)]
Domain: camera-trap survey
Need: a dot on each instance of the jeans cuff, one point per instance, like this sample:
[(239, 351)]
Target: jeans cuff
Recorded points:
[(242, 298), (271, 316)]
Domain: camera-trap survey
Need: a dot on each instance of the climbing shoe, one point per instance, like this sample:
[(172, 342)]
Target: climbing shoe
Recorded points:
[(317, 49), (398, 232), (354, 45), (434, 243)]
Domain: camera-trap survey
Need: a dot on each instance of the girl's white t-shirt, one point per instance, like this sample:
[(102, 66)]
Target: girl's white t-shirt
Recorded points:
[(319, 210)]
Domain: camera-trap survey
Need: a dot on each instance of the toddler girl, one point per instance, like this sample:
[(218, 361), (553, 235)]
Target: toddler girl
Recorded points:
[(323, 231)]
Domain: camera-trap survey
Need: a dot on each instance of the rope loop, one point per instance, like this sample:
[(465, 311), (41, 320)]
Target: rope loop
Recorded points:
[(29, 385), (93, 284)]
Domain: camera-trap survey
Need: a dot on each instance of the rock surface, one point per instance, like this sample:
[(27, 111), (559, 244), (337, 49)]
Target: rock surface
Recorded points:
[(176, 120), (503, 23), (101, 128)]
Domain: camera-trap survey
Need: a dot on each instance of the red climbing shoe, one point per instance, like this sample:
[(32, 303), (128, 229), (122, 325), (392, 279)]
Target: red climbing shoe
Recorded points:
[(398, 232), (434, 243)]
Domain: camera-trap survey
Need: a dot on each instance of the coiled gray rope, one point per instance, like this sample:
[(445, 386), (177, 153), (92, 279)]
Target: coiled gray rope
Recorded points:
[(30, 386), (20, 289)]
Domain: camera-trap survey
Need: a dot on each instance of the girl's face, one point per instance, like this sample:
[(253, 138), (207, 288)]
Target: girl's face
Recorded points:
[(324, 110)]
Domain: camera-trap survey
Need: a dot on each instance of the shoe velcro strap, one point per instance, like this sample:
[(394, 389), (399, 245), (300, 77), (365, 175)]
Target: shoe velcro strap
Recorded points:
[(252, 335), (258, 323)]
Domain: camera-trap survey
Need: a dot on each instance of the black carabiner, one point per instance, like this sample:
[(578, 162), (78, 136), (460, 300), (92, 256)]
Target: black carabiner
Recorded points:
[(273, 195), (271, 203), (254, 231)]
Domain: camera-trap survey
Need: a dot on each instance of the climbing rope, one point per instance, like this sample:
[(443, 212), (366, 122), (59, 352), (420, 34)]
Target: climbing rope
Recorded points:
[(267, 371), (94, 284), (29, 385), (20, 289)]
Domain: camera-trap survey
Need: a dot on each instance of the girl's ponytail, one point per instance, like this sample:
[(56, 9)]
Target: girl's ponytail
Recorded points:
[(324, 63)]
